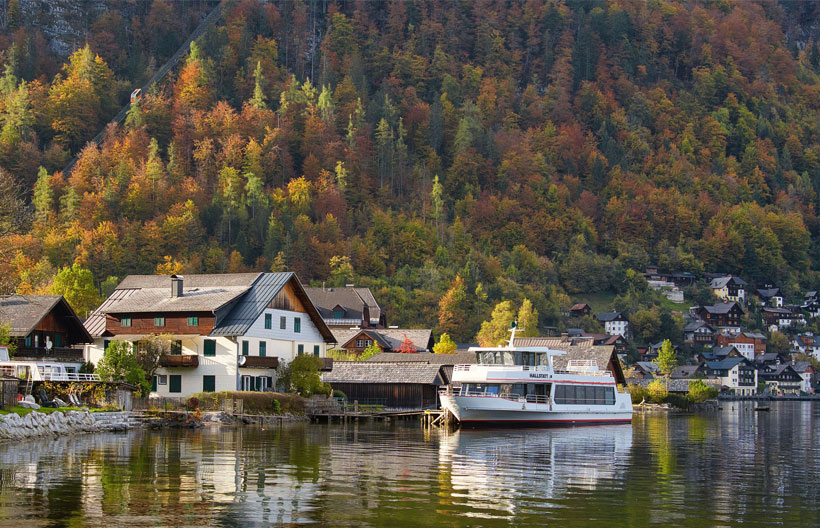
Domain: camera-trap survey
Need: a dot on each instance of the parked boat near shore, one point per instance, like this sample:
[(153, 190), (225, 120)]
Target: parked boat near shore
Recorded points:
[(520, 386)]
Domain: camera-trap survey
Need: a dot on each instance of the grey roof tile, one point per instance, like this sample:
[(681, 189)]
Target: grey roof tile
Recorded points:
[(375, 372)]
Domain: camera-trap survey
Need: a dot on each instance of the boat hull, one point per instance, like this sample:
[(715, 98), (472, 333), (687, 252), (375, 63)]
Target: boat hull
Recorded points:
[(472, 410)]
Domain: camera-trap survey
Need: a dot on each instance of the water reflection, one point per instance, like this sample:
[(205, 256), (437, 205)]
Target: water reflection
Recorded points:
[(737, 467), (511, 470)]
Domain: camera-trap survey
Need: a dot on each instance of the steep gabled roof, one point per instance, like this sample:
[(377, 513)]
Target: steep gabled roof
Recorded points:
[(721, 308), (388, 338), (24, 312), (725, 364), (695, 325), (720, 282), (201, 293), (350, 298), (608, 316), (768, 293), (237, 299), (250, 306)]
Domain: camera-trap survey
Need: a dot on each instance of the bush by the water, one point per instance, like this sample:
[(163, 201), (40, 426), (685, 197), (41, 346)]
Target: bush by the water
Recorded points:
[(637, 392), (302, 376), (253, 402), (699, 391), (657, 391)]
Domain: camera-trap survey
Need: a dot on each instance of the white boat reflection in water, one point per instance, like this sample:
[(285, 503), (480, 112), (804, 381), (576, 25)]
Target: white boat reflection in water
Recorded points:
[(505, 467)]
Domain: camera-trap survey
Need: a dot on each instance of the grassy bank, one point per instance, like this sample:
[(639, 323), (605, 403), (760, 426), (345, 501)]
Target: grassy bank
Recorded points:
[(22, 411), (253, 402)]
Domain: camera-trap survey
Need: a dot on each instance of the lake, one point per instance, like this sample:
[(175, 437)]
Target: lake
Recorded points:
[(734, 467)]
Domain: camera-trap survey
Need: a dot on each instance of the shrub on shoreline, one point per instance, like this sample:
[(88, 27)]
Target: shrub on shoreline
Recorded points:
[(253, 402)]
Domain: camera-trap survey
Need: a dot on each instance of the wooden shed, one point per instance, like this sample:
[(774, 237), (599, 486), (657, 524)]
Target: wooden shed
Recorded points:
[(408, 385)]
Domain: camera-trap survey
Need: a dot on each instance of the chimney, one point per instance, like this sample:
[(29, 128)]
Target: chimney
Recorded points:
[(365, 316), (176, 285)]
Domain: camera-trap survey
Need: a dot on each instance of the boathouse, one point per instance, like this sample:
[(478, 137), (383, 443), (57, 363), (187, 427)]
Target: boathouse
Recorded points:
[(409, 385)]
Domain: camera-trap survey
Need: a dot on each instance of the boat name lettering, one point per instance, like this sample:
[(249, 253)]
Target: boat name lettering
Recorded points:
[(533, 375)]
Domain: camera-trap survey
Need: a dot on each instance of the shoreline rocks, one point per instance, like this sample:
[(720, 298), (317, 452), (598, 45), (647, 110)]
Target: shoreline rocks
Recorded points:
[(37, 424)]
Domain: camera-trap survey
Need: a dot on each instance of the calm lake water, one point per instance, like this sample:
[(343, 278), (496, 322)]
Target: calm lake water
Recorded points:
[(735, 467)]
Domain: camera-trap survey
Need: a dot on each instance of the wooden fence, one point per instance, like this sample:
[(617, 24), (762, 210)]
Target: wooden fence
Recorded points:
[(8, 392)]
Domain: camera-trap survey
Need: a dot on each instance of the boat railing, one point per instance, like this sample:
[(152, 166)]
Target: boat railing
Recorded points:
[(513, 368), (583, 373), (529, 368), (71, 376), (529, 398)]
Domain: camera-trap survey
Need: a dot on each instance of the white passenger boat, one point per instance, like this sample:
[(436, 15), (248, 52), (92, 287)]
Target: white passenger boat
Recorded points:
[(519, 385)]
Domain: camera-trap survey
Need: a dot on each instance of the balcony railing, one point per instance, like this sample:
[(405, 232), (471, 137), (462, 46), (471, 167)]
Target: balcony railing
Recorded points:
[(258, 361), (185, 360), (54, 352)]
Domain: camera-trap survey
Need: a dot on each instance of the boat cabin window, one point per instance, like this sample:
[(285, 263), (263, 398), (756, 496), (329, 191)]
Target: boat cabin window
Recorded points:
[(506, 357), (584, 395), (533, 392)]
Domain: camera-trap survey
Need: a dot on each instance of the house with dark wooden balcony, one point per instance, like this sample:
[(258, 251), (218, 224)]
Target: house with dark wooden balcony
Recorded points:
[(723, 315), (729, 288), (580, 310), (778, 319), (44, 328), (736, 374), (348, 307), (781, 379), (698, 333), (226, 332)]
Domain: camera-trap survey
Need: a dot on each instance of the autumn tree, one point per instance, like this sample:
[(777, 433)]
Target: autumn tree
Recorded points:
[(528, 319), (667, 358), (495, 331), (445, 345), (407, 346), (452, 309), (76, 284)]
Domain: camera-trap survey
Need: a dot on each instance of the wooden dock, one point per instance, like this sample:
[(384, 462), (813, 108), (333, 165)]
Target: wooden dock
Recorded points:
[(356, 413)]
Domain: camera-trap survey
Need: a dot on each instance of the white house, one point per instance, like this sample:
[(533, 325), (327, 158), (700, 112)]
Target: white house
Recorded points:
[(735, 373), (228, 331), (614, 323)]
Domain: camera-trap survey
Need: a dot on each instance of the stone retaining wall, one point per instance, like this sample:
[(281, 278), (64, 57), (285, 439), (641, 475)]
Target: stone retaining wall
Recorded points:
[(16, 427)]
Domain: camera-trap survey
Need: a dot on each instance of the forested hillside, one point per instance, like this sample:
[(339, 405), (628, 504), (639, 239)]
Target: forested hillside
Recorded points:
[(449, 155)]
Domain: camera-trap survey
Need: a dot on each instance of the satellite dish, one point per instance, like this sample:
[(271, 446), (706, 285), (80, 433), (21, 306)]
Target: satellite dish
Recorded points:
[(48, 343)]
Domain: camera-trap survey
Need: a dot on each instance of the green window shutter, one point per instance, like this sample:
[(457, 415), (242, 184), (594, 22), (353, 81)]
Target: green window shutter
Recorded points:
[(244, 348), (154, 383), (28, 340), (175, 383), (300, 349), (58, 340), (297, 325), (125, 321), (316, 350), (268, 321), (208, 383), (106, 342), (210, 347), (263, 348)]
